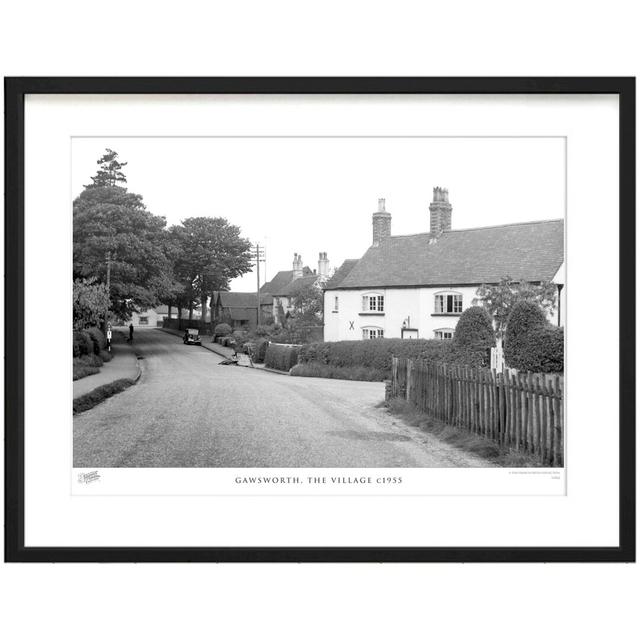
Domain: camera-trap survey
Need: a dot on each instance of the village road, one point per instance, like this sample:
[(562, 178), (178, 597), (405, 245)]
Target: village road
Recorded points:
[(187, 411)]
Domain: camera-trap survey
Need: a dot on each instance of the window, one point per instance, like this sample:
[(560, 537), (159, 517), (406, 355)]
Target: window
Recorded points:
[(373, 303), (448, 303), (143, 320), (443, 334), (370, 333), (335, 303)]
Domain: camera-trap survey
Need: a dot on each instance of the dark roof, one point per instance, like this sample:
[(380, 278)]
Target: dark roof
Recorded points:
[(531, 251), (341, 273), (237, 299), (281, 279), (295, 286)]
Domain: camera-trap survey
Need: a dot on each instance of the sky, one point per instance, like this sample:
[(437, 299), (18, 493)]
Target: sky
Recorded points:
[(309, 195)]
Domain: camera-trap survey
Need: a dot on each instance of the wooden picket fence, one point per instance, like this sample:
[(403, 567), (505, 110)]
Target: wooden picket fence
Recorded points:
[(523, 412)]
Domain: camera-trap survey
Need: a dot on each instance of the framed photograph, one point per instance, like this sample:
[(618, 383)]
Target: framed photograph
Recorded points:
[(320, 319)]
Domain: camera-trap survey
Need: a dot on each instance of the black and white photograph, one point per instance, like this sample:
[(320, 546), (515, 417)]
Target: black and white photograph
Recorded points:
[(318, 302), (307, 319)]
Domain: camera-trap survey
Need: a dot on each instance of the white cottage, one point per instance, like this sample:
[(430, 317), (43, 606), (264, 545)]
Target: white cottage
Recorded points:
[(417, 286)]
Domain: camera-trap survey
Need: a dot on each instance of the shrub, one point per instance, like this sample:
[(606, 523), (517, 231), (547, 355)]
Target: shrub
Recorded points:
[(525, 318), (374, 354), (82, 344), (260, 331), (543, 350), (106, 356), (473, 339), (92, 360), (319, 370), (81, 369), (98, 338), (260, 350), (222, 329), (281, 357)]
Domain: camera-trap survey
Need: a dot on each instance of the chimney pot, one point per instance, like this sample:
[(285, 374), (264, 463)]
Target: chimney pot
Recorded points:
[(381, 222), (440, 212)]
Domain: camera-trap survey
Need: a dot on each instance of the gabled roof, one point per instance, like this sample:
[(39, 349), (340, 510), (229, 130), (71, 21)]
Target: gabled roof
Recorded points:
[(281, 279), (237, 299), (341, 273), (294, 287), (531, 251)]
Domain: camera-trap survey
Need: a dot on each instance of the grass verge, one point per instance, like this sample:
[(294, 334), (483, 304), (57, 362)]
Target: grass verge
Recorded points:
[(460, 438), (321, 370), (100, 394)]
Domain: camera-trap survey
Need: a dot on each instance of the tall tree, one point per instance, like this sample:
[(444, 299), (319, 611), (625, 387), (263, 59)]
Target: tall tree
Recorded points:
[(110, 171), (90, 303), (500, 299), (111, 225), (212, 253)]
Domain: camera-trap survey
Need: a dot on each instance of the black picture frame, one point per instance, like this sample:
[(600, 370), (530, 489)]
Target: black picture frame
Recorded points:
[(15, 91)]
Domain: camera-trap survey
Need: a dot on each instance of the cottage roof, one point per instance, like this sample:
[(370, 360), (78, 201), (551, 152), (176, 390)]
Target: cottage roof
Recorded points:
[(341, 273), (238, 299), (294, 287), (280, 280), (531, 251)]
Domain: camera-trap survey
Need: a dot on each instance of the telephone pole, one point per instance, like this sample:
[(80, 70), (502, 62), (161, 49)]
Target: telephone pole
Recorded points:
[(106, 315), (258, 255)]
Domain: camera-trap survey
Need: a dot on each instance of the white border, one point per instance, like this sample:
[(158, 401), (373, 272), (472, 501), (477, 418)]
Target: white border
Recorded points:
[(53, 517)]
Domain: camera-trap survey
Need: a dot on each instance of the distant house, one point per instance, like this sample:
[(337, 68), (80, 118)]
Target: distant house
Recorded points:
[(154, 317), (286, 285), (417, 286), (239, 309)]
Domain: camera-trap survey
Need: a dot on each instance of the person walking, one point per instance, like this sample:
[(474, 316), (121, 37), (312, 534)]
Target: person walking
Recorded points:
[(131, 332)]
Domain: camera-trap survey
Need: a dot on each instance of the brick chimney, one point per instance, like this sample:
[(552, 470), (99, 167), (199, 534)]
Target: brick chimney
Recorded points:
[(297, 266), (381, 221), (323, 265), (440, 211)]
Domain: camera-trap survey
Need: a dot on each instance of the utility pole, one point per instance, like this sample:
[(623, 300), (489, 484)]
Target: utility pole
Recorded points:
[(108, 288), (259, 256)]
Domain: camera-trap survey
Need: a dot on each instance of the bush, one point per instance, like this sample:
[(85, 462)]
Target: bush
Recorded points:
[(81, 369), (281, 357), (92, 359), (98, 339), (526, 317), (374, 354), (261, 331), (82, 344), (222, 329), (260, 350), (543, 350), (319, 370), (106, 356), (473, 339)]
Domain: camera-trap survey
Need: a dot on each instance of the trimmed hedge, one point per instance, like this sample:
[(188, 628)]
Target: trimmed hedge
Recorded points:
[(525, 318), (260, 350), (319, 370), (281, 357), (543, 351), (374, 354), (473, 339)]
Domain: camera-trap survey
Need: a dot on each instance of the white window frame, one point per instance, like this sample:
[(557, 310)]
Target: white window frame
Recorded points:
[(441, 332), (372, 333), (441, 303), (373, 302)]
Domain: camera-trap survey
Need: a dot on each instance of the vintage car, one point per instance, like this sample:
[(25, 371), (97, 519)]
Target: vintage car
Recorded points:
[(192, 336)]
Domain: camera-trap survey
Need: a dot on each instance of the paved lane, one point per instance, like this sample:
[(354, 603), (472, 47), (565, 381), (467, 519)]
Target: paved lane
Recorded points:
[(187, 411)]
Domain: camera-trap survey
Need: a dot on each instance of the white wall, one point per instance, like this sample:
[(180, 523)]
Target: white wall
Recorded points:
[(417, 304)]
